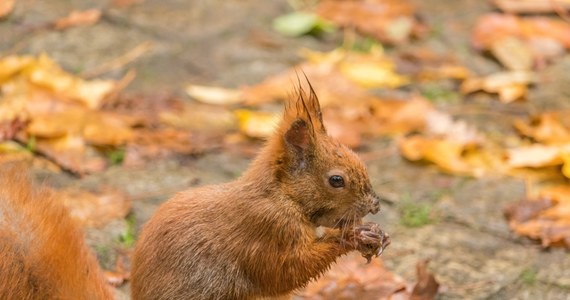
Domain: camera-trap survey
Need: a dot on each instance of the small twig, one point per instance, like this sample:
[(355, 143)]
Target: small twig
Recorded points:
[(120, 61), (560, 10)]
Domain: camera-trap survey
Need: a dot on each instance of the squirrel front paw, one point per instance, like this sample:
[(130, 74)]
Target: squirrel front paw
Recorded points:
[(370, 240)]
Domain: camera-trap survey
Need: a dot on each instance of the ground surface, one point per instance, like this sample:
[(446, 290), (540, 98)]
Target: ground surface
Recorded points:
[(473, 253)]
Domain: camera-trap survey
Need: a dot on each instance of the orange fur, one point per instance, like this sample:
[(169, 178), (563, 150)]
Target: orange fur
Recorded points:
[(42, 251)]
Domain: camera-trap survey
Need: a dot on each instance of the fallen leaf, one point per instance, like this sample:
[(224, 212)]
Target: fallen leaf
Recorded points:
[(370, 69), (536, 156), (8, 129), (257, 124), (78, 18), (446, 154), (197, 117), (396, 117), (510, 86), (71, 153), (493, 27), (329, 84), (97, 208), (351, 278), (6, 7), (214, 95), (549, 128), (513, 53), (543, 37), (426, 287), (121, 273), (390, 21), (545, 218), (442, 125), (532, 6)]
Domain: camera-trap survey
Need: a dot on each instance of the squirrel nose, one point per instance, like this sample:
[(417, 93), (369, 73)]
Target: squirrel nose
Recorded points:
[(375, 207)]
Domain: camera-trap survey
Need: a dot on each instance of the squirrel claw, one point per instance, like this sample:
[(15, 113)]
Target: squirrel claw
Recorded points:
[(370, 240)]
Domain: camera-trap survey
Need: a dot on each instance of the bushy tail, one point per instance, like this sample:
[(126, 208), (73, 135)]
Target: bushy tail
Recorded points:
[(42, 250)]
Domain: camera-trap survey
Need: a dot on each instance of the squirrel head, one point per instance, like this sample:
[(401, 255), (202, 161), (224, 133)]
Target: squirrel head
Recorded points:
[(326, 178)]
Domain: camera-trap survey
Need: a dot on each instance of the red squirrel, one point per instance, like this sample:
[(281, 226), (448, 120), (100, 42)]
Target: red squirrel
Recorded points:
[(294, 211), (43, 254), (283, 223)]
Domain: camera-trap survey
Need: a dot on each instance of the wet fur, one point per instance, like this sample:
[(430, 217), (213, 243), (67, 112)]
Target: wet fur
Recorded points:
[(256, 236)]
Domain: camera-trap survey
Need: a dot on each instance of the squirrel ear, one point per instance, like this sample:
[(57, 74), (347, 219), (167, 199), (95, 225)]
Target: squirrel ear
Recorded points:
[(298, 137)]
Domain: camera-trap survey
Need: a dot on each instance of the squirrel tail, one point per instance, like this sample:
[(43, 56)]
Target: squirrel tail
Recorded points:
[(43, 254)]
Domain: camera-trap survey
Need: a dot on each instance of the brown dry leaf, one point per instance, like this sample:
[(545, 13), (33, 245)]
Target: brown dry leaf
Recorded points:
[(6, 7), (426, 65), (493, 27), (257, 124), (78, 18), (426, 288), (546, 218), (549, 128), (352, 278), (544, 37), (395, 117), (532, 6), (95, 209), (390, 21), (510, 86), (71, 153)]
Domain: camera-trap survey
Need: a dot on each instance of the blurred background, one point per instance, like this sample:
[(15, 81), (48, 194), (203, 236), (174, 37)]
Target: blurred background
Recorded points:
[(460, 109)]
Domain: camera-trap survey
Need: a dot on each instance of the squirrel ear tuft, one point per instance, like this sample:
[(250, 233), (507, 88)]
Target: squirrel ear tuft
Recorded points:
[(305, 105)]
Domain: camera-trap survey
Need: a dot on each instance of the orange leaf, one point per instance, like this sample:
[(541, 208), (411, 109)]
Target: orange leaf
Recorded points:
[(6, 7)]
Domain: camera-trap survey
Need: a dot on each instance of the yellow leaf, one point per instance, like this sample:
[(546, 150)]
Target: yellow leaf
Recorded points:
[(446, 154), (10, 65), (257, 124), (373, 74)]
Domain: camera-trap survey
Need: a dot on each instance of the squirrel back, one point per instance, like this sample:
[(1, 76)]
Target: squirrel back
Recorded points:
[(43, 254), (259, 235)]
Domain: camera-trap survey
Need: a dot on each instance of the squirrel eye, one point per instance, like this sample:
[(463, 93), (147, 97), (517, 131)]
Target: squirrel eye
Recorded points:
[(336, 181)]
